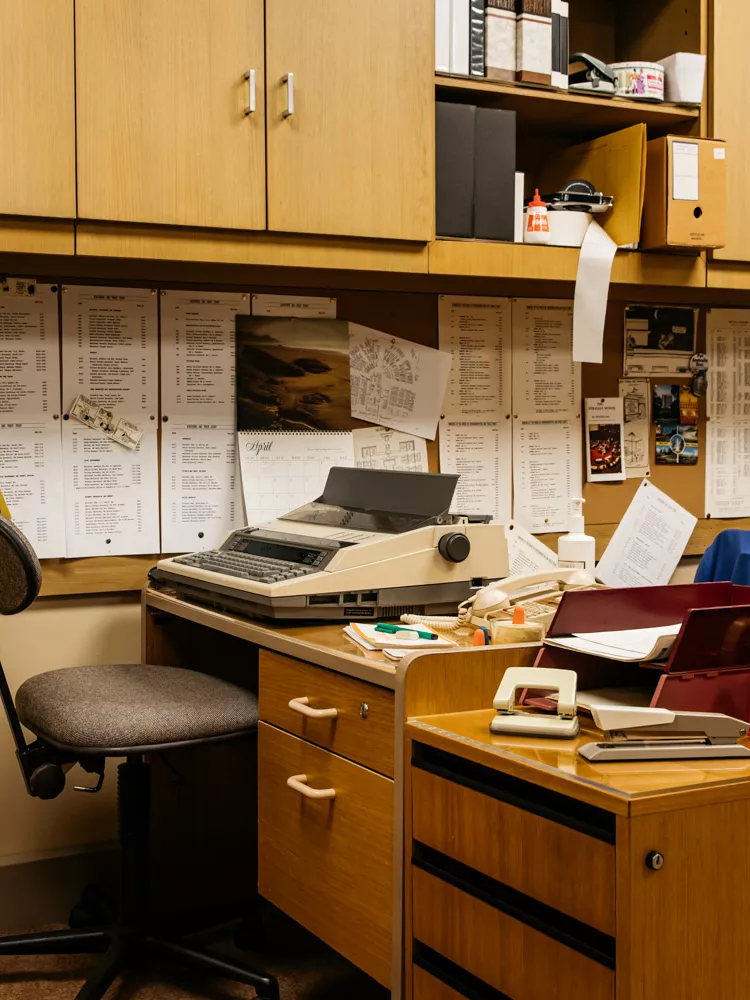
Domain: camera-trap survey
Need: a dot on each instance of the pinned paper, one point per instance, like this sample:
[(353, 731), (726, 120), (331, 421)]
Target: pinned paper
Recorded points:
[(605, 432), (116, 428), (636, 401), (648, 542), (306, 306), (592, 292)]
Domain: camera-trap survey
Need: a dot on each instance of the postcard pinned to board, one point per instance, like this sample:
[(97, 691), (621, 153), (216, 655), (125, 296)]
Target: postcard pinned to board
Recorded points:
[(605, 435), (659, 340)]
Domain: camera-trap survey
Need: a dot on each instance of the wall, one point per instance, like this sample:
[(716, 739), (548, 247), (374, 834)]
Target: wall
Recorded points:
[(57, 633)]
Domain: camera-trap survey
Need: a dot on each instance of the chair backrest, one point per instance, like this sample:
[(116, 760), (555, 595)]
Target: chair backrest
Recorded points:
[(20, 572)]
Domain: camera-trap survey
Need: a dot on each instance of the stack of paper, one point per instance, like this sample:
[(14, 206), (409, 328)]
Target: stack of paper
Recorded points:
[(636, 645), (367, 636)]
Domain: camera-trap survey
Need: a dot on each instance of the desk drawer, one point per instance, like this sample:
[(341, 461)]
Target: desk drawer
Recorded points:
[(505, 953), (327, 862), (562, 867), (364, 735), (426, 987)]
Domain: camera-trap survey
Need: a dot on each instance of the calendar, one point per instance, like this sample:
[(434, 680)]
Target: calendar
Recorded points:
[(282, 470)]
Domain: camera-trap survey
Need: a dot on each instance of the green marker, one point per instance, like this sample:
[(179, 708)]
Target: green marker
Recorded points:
[(392, 629)]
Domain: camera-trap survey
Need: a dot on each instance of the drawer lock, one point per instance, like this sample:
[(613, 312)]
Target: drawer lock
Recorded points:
[(655, 861), (364, 709)]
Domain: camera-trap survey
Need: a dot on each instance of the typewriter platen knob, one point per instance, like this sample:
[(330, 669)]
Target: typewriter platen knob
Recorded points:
[(454, 547)]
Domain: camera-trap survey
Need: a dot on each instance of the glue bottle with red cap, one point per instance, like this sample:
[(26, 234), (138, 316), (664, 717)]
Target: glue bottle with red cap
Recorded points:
[(536, 224)]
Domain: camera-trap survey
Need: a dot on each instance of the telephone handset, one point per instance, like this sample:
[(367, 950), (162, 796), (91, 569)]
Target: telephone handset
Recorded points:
[(539, 593), (543, 588)]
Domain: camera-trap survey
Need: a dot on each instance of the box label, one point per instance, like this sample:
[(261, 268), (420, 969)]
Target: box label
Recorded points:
[(720, 153), (685, 171)]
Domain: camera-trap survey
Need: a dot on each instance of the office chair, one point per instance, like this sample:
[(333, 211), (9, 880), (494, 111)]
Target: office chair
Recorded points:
[(83, 715)]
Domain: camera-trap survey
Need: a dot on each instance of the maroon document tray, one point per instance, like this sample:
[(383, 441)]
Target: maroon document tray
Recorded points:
[(708, 669)]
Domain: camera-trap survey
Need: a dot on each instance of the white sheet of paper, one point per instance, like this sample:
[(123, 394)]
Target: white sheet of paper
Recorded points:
[(728, 349), (309, 306), (480, 453), (198, 487), (395, 382), (110, 349), (648, 542), (527, 554), (284, 470), (29, 356), (546, 472), (477, 333), (383, 448), (31, 482), (197, 356), (111, 494), (728, 409), (634, 641), (592, 294), (605, 435), (727, 468), (636, 400), (546, 381)]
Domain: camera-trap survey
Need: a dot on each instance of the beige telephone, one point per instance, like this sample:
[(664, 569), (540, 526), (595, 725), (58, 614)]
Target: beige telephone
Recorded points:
[(539, 593)]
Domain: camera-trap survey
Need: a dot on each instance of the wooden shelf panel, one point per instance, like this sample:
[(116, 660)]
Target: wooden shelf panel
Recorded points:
[(565, 112), (475, 258)]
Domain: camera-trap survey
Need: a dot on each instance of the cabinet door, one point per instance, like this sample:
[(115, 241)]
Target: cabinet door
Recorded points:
[(161, 96), (37, 116), (357, 155), (730, 98)]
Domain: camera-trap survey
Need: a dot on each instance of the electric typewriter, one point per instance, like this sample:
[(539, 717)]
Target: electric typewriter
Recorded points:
[(376, 544)]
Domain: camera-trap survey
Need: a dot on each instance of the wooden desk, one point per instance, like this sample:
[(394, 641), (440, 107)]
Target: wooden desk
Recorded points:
[(334, 864), (535, 873)]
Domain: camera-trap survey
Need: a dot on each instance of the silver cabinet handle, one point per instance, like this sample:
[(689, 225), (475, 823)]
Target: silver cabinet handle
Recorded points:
[(288, 79), (250, 77)]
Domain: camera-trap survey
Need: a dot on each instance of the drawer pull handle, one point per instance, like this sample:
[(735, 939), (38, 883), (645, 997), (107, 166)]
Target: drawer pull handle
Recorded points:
[(302, 705), (299, 783)]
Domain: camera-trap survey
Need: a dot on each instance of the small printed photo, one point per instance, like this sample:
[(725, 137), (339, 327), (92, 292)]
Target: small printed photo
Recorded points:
[(688, 406), (605, 448), (676, 444), (666, 403), (292, 374)]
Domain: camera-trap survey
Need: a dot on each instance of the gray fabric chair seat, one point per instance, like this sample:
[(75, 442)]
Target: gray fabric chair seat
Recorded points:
[(123, 706)]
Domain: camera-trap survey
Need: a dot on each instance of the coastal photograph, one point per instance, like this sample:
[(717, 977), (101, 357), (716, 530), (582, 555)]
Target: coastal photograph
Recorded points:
[(292, 374)]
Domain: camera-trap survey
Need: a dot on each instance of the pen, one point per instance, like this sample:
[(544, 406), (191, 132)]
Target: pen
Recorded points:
[(392, 629)]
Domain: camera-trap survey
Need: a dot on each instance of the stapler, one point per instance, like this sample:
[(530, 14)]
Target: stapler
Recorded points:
[(596, 77), (660, 734), (513, 722)]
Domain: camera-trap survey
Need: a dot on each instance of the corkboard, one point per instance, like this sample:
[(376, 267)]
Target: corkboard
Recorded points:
[(607, 502)]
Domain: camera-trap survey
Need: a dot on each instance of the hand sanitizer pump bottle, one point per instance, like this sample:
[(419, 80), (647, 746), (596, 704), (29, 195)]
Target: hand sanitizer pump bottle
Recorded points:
[(577, 550)]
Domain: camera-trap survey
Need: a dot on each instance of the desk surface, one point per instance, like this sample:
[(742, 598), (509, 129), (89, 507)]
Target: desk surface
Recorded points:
[(323, 645), (627, 788)]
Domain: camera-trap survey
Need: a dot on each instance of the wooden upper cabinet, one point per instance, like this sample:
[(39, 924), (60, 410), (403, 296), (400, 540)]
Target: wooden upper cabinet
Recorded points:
[(356, 157), (161, 95), (730, 97), (37, 112)]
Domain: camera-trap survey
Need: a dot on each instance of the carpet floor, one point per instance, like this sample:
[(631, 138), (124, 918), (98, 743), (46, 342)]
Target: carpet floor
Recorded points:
[(306, 970)]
